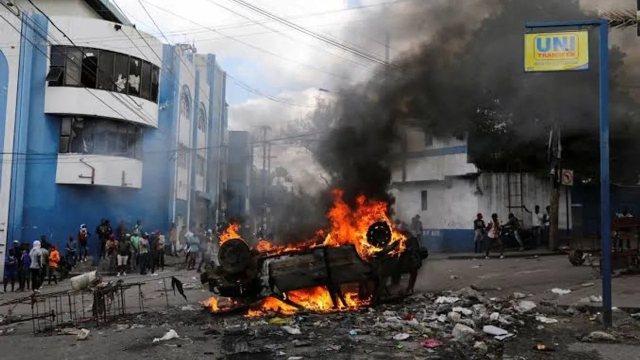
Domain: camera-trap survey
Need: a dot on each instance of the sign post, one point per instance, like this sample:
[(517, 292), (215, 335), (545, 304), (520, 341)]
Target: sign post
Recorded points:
[(567, 50)]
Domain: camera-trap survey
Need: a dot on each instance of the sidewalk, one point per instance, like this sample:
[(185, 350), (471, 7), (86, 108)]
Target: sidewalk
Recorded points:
[(507, 254)]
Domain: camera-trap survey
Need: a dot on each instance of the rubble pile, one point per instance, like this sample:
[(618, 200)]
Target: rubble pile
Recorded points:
[(463, 324)]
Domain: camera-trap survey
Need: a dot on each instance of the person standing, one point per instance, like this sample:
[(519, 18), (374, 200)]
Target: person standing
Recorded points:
[(143, 260), (536, 223), (25, 276), (137, 229), (160, 242), (173, 238), (83, 243), (123, 253), (102, 239), (111, 248), (416, 227), (121, 230), (206, 252), (478, 233), (44, 266), (10, 271), (513, 224), (135, 251), (54, 259), (544, 228), (194, 249), (35, 267), (493, 235), (71, 254), (182, 239)]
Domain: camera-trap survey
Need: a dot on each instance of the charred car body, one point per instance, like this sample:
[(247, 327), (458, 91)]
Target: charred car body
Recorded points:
[(247, 275)]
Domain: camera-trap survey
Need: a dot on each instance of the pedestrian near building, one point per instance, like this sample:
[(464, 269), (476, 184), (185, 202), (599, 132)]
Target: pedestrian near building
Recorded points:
[(35, 267), (546, 220), (54, 259), (513, 224), (205, 253), (135, 251), (10, 271), (111, 250), (25, 271), (44, 266), (536, 224), (193, 250), (71, 254), (478, 233), (124, 251), (143, 256), (160, 243), (83, 243), (416, 227), (493, 236)]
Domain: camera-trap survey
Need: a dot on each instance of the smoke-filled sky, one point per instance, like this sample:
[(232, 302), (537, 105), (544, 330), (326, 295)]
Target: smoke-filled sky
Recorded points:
[(293, 67)]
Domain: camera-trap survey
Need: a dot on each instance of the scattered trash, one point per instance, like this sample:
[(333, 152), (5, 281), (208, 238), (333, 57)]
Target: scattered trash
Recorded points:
[(543, 347), (635, 316), (447, 300), (454, 317), (83, 334), (496, 332), (401, 337), (481, 347), (463, 311), (476, 266), (7, 331), (301, 343), (82, 282), (430, 343), (453, 277), (518, 295), (188, 308), (295, 358), (494, 316), (525, 306), (594, 298), (121, 327), (352, 332), (137, 326), (587, 284), (463, 333), (334, 348), (292, 330), (408, 317), (278, 321), (546, 320), (599, 336), (171, 334), (560, 291)]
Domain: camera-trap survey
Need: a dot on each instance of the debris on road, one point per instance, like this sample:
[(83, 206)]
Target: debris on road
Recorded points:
[(83, 334), (525, 306), (543, 348), (292, 330), (447, 300), (8, 331), (598, 336), (463, 333), (546, 320), (401, 337), (496, 332), (171, 334), (431, 343), (560, 291), (481, 347), (518, 295)]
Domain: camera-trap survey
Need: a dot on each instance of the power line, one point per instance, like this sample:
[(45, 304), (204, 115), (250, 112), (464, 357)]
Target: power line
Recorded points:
[(316, 35), (250, 45)]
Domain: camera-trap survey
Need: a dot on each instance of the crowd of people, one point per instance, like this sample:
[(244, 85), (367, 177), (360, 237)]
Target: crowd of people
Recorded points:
[(29, 266)]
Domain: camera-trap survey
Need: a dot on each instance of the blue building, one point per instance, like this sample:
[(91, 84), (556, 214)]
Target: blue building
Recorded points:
[(239, 174), (100, 120)]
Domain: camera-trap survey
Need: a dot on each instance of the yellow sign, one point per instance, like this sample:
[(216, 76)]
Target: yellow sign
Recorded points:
[(563, 51)]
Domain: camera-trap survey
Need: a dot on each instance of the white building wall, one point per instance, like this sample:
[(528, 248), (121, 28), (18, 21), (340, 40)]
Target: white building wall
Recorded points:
[(61, 7), (10, 47), (108, 170)]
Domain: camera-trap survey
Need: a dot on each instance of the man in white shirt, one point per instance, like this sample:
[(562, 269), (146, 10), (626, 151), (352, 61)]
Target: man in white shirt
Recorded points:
[(493, 234), (536, 223)]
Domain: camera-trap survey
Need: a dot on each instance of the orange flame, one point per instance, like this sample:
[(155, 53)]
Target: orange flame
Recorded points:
[(317, 299), (230, 233), (216, 304)]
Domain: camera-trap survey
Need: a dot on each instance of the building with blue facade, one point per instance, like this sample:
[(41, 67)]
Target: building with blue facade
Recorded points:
[(100, 120)]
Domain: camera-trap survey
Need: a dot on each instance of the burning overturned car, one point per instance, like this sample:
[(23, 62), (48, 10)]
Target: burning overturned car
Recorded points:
[(358, 261)]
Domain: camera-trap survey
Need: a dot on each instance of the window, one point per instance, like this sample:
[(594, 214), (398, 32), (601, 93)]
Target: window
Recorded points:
[(73, 69), (200, 165), (182, 157), (99, 136), (105, 70), (202, 121), (105, 74), (145, 81), (423, 200), (185, 103), (121, 73), (135, 69), (89, 68), (155, 83)]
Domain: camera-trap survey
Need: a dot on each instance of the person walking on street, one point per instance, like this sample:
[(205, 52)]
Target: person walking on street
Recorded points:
[(124, 251), (194, 249), (478, 233), (83, 243), (493, 235), (54, 259), (35, 267), (10, 271), (513, 224)]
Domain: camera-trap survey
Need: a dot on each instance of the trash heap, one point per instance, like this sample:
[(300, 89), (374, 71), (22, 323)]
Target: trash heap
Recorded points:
[(463, 324)]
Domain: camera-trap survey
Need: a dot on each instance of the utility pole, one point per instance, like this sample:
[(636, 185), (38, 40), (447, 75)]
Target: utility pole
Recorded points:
[(265, 154), (556, 163)]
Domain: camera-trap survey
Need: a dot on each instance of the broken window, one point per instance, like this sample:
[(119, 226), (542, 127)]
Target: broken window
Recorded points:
[(155, 83), (100, 136), (89, 68), (56, 69), (121, 72), (73, 73), (65, 135), (135, 68), (105, 73), (423, 200), (145, 81)]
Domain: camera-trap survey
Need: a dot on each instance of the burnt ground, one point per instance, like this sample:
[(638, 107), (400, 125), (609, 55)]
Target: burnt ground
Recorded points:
[(327, 336)]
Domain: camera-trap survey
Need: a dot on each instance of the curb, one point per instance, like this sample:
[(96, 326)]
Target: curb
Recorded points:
[(506, 256)]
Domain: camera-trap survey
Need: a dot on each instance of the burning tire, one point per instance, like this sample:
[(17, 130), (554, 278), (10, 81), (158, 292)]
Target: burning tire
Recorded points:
[(234, 256), (379, 234)]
